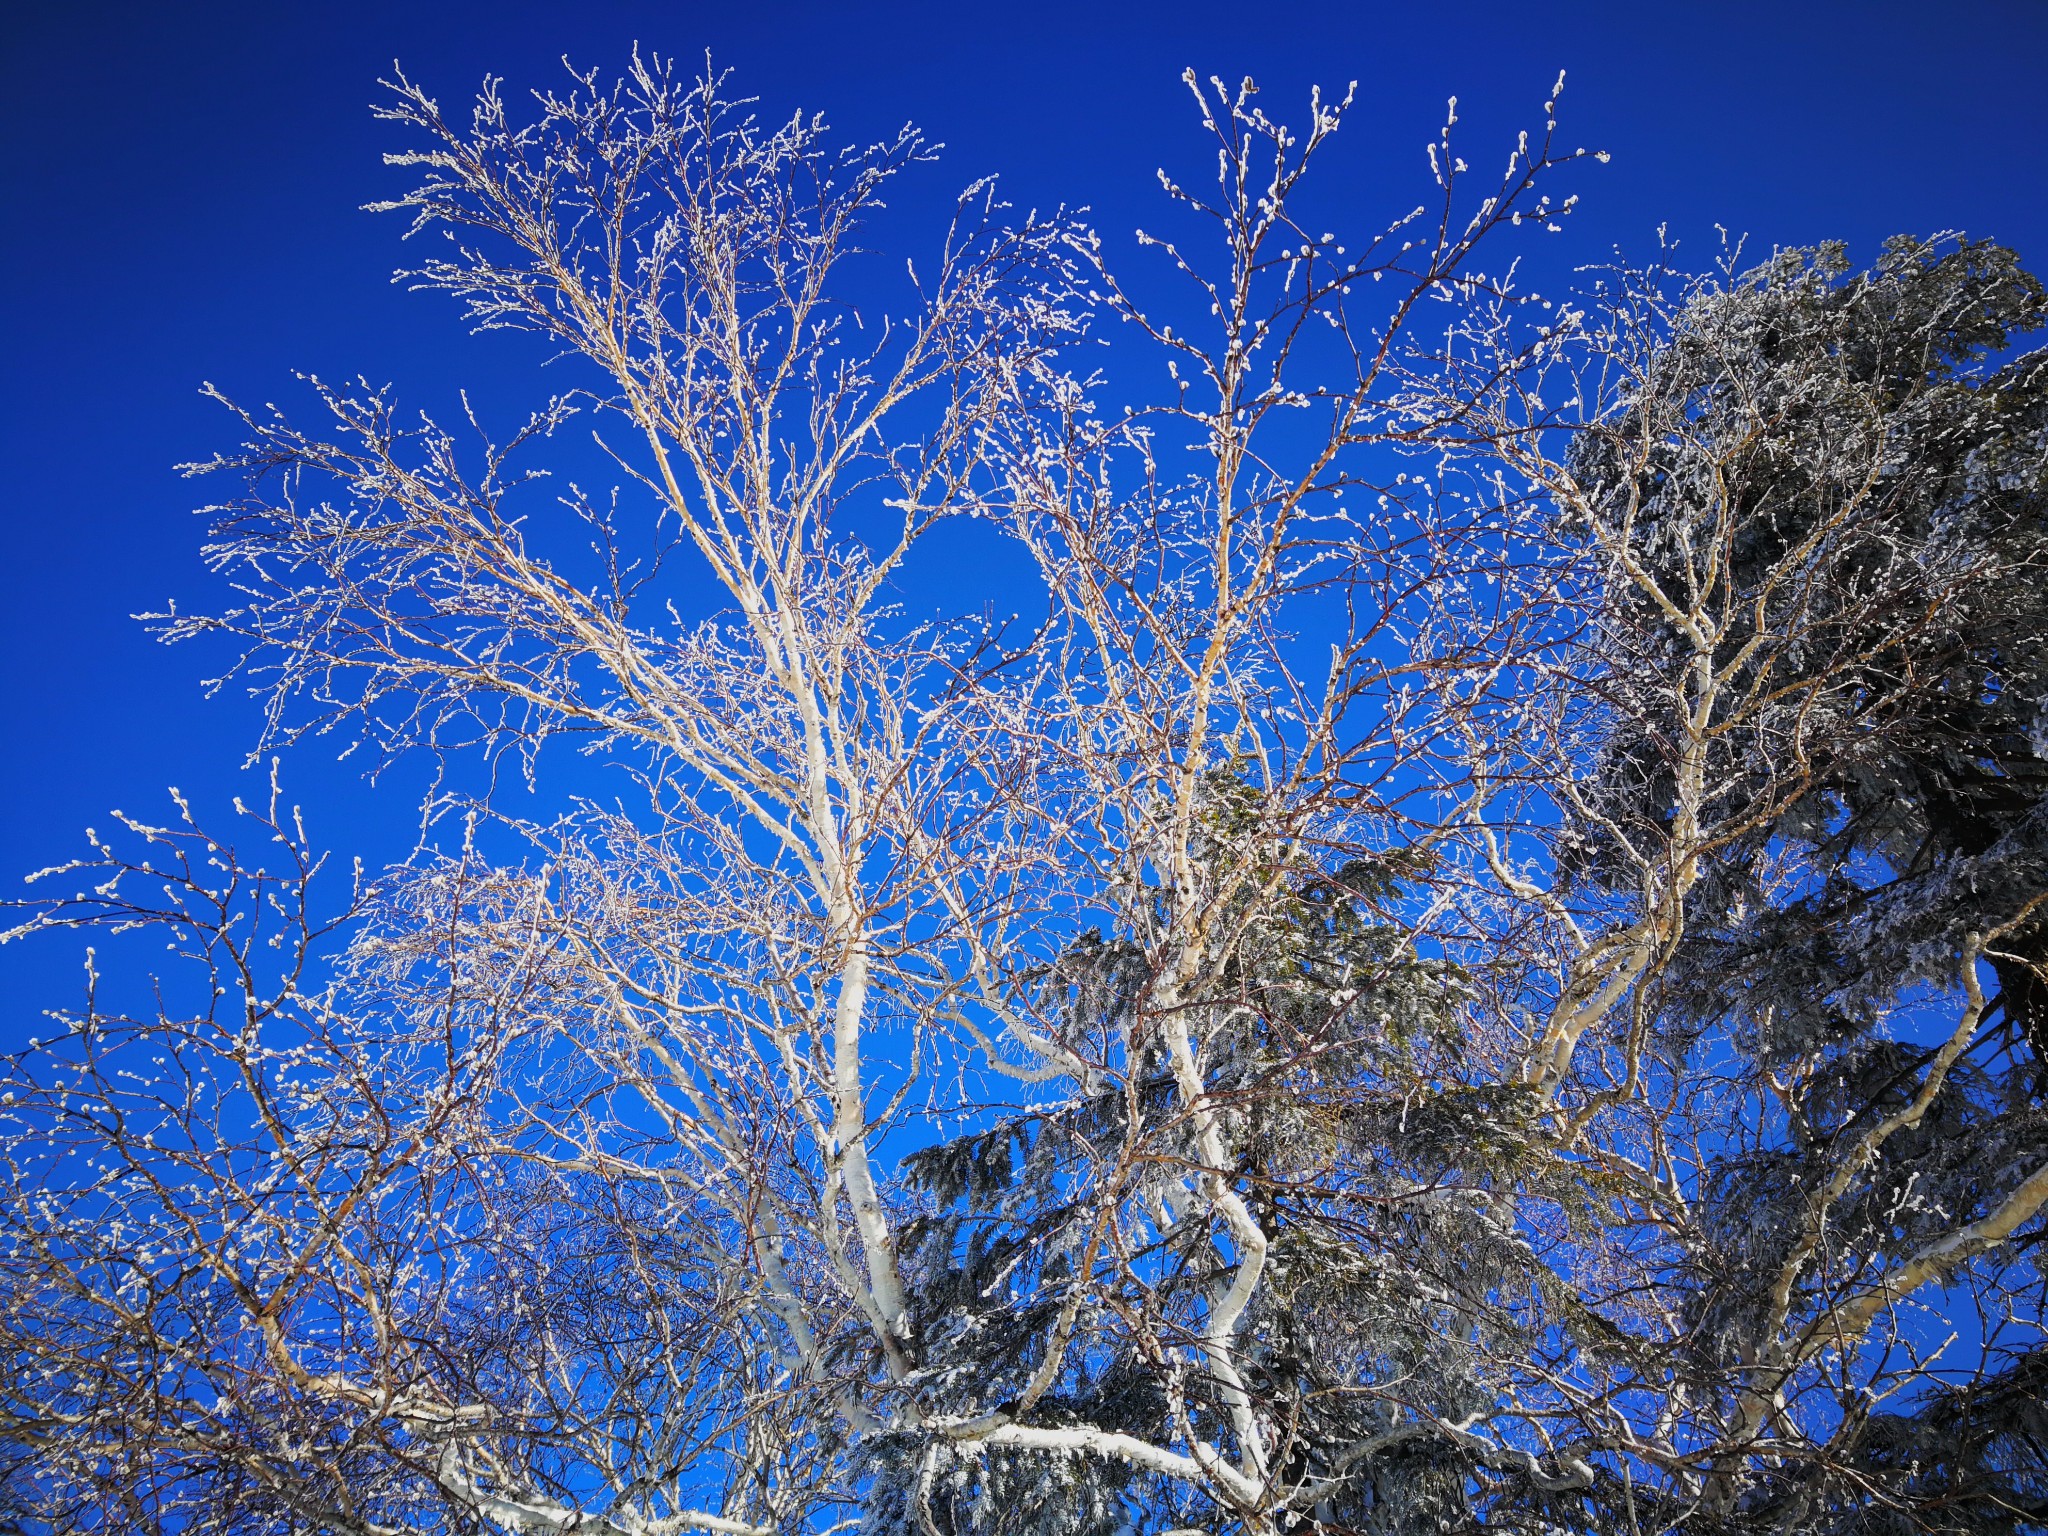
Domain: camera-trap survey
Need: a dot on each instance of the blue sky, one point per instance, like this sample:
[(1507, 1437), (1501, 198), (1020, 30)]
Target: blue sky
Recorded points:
[(183, 184)]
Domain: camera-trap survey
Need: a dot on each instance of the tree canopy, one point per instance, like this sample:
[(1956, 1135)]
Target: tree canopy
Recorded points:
[(1478, 958)]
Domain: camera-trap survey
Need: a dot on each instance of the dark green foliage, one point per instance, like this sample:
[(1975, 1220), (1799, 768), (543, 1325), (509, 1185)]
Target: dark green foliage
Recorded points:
[(1334, 1046), (1858, 462), (1886, 459)]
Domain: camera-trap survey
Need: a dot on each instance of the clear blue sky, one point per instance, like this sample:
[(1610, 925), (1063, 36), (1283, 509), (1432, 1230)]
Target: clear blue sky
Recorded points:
[(183, 180)]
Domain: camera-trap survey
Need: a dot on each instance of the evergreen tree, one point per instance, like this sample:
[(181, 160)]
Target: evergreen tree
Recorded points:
[(1886, 462), (1851, 469)]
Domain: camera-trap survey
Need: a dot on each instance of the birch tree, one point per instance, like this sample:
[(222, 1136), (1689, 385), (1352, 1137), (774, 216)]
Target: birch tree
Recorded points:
[(569, 1191)]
